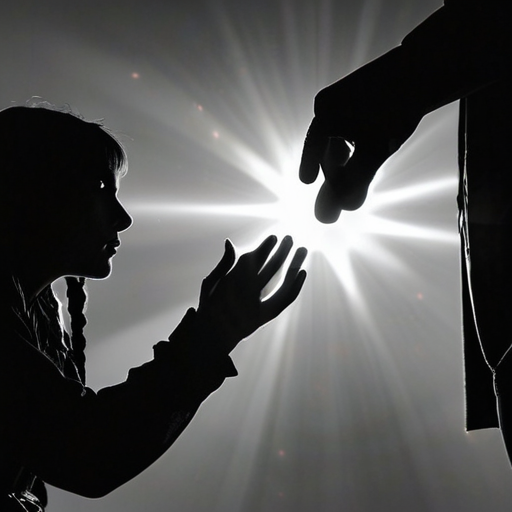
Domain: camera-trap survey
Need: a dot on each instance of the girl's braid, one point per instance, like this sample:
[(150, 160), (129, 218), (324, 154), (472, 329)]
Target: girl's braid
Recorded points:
[(77, 301)]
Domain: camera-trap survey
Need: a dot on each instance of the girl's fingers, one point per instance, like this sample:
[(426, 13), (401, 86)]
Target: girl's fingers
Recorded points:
[(251, 262), (261, 254), (275, 262), (292, 274), (288, 291), (274, 306)]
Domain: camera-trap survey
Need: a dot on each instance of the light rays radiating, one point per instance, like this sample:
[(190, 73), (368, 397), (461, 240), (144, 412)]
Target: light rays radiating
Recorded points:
[(342, 392)]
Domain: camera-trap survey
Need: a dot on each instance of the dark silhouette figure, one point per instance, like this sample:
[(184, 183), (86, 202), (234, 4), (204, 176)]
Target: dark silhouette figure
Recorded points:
[(462, 51), (61, 217)]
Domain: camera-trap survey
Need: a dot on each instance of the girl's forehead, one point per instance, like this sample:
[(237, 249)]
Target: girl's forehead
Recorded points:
[(91, 170)]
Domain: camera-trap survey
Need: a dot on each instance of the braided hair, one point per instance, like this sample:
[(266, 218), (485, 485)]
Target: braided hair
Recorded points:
[(77, 302), (44, 319)]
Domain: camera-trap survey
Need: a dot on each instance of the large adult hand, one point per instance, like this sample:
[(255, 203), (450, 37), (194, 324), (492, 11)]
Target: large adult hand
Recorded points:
[(348, 166), (231, 302), (360, 121)]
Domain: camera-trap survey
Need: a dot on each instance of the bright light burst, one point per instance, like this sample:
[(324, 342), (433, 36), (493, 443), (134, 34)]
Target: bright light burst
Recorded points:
[(340, 382), (357, 234), (255, 129), (359, 240)]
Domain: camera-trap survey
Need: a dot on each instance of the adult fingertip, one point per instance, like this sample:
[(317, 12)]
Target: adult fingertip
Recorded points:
[(327, 204), (309, 167)]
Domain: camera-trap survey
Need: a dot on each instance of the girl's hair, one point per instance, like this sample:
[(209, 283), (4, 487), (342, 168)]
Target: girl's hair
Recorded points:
[(77, 301), (40, 142), (39, 145)]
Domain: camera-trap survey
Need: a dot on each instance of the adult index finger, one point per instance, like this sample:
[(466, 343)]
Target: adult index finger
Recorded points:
[(314, 147)]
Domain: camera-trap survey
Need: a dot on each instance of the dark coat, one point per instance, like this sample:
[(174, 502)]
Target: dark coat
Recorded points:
[(463, 51), (467, 47), (55, 429)]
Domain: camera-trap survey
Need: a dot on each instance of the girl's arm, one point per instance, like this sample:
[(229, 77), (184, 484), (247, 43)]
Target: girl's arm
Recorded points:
[(90, 443)]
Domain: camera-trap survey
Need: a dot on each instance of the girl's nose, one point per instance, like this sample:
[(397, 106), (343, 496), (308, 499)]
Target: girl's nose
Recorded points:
[(123, 218)]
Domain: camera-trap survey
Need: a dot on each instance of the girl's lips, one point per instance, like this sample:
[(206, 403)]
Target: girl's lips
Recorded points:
[(111, 247)]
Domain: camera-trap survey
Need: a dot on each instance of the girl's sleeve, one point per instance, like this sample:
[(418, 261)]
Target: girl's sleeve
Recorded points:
[(90, 443)]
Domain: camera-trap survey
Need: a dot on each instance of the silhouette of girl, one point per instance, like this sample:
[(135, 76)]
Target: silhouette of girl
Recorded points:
[(61, 217)]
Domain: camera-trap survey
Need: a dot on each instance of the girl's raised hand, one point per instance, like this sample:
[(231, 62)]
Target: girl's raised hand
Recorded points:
[(230, 302)]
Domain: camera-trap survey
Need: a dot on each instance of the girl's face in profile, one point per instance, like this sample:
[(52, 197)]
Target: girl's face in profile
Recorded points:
[(89, 218), (59, 209)]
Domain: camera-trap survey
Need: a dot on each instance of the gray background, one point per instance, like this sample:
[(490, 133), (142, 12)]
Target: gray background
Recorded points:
[(353, 399)]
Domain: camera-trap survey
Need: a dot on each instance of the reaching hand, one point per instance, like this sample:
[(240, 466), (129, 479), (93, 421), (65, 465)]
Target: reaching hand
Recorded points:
[(348, 166), (230, 302), (360, 121)]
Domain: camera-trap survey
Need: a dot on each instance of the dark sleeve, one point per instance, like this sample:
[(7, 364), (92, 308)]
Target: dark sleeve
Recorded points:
[(90, 443), (460, 48)]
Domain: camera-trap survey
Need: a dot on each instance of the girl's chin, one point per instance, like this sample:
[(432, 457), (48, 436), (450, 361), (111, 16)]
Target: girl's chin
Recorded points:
[(99, 272)]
